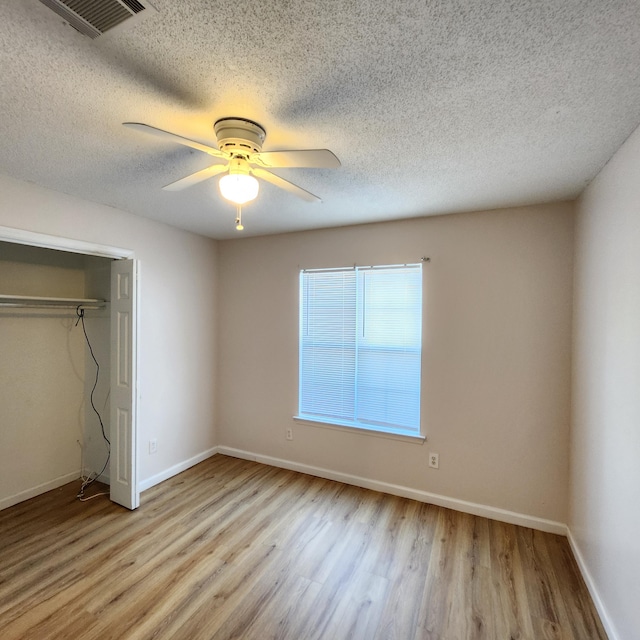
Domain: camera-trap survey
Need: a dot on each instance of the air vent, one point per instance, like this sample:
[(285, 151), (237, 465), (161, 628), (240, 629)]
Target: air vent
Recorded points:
[(94, 17)]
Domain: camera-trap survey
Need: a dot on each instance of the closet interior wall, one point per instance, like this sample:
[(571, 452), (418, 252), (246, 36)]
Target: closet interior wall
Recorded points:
[(48, 429)]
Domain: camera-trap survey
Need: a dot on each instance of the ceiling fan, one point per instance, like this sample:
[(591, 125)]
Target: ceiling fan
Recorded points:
[(240, 157)]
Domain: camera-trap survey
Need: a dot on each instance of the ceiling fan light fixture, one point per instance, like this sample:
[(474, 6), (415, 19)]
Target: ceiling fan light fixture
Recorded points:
[(239, 155), (239, 188)]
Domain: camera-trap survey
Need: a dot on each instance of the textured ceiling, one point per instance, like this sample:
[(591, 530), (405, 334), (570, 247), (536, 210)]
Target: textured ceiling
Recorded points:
[(432, 107)]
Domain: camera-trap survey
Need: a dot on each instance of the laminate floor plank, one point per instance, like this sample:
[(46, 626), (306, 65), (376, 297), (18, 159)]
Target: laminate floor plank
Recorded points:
[(582, 619), (359, 609), (509, 589), (543, 595), (232, 549)]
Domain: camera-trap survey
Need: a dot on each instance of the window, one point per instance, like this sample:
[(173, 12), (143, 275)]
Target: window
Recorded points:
[(360, 347)]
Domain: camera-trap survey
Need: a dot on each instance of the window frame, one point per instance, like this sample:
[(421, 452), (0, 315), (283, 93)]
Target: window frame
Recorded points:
[(368, 428)]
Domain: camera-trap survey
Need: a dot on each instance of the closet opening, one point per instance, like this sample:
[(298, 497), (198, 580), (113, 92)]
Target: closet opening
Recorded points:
[(62, 416)]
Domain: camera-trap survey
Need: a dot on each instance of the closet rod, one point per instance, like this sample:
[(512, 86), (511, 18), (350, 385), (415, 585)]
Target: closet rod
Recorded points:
[(53, 307), (40, 302)]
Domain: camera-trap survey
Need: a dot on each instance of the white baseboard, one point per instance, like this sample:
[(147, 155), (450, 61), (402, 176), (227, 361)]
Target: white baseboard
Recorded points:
[(472, 508), (607, 623), (9, 501), (143, 485)]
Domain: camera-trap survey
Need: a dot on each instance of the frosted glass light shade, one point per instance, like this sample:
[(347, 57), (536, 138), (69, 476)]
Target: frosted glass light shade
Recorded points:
[(239, 187)]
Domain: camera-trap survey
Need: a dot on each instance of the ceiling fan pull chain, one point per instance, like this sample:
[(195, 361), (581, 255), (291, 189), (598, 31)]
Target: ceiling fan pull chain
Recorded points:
[(239, 226)]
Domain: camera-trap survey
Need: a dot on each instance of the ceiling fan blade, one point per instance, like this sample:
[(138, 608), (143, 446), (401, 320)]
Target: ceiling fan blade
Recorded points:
[(172, 137), (285, 184), (196, 177), (312, 158)]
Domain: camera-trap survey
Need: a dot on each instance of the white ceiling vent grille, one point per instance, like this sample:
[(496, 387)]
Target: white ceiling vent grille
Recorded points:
[(94, 17)]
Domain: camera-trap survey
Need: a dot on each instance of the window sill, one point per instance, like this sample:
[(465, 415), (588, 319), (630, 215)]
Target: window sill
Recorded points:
[(366, 431)]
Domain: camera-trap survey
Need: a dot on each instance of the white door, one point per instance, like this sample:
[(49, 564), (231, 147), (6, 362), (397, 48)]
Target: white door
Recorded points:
[(123, 469)]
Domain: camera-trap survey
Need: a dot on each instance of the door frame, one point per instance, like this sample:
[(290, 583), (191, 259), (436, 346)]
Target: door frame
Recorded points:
[(71, 245), (44, 241)]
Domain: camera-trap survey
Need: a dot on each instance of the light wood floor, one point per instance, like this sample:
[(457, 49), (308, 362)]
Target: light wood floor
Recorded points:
[(235, 549)]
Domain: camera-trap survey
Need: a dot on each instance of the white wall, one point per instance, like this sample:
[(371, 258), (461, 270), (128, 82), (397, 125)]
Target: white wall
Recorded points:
[(605, 452), (496, 365), (178, 386), (41, 374)]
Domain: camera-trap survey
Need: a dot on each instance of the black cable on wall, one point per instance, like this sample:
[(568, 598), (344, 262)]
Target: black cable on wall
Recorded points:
[(88, 481)]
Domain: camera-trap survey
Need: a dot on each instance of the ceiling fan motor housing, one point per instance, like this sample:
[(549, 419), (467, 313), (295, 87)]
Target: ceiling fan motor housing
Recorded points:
[(238, 136)]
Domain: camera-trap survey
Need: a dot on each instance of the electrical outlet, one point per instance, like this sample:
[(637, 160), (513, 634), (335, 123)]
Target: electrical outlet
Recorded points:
[(289, 433), (153, 446), (434, 460)]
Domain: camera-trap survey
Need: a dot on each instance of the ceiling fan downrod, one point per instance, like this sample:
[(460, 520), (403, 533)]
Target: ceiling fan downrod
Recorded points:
[(239, 225)]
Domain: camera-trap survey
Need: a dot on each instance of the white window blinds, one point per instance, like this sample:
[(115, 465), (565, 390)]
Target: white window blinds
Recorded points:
[(360, 347)]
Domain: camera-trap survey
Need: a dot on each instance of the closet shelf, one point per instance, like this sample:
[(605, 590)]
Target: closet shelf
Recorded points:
[(41, 302)]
